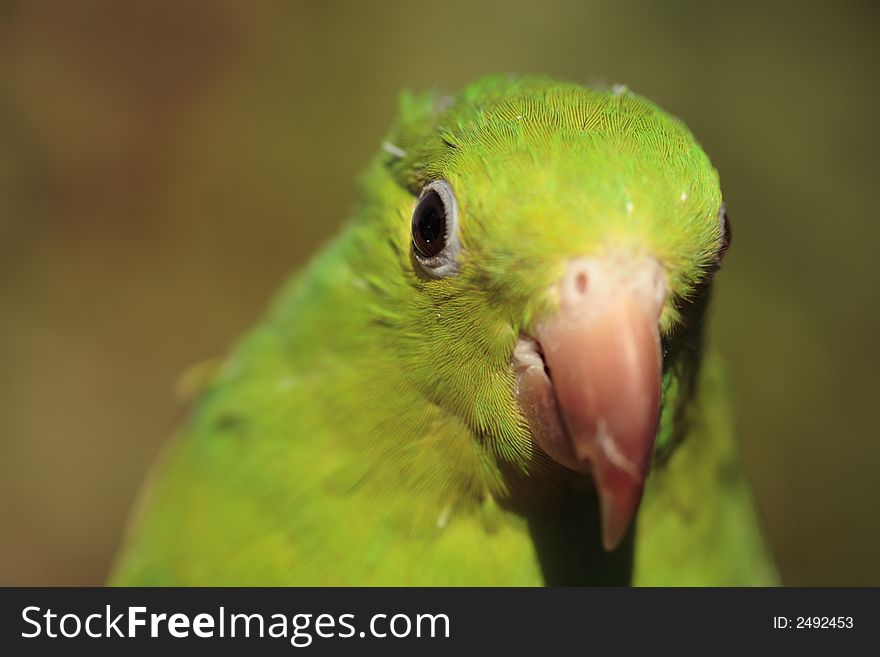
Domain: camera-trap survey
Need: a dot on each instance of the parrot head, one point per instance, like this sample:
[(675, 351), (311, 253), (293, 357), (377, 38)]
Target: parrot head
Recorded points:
[(549, 240)]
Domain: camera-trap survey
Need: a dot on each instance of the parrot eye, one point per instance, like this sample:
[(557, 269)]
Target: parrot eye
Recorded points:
[(435, 230), (725, 233)]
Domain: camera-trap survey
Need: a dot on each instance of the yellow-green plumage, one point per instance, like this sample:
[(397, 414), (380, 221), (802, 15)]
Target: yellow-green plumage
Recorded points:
[(366, 431)]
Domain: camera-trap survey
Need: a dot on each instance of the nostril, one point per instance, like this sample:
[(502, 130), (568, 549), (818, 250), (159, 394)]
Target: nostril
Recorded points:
[(580, 282)]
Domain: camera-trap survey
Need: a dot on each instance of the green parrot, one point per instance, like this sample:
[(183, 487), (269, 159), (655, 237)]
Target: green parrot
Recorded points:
[(472, 382)]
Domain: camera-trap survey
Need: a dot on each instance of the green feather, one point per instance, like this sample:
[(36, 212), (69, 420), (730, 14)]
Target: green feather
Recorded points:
[(367, 432)]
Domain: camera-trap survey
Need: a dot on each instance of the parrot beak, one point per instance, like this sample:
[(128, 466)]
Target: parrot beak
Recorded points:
[(589, 383)]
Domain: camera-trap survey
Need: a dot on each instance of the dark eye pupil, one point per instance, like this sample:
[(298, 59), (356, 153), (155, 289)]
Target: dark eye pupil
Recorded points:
[(429, 225), (726, 235)]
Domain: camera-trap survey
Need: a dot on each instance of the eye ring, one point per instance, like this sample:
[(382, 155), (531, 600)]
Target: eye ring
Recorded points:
[(434, 230), (726, 233)]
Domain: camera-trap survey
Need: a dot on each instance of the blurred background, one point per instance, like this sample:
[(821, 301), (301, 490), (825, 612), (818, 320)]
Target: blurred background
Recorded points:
[(163, 165)]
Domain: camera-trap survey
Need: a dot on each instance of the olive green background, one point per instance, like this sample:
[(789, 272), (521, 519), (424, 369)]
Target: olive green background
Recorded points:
[(163, 165)]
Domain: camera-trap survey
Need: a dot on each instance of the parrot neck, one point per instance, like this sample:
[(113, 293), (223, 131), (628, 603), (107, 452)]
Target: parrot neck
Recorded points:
[(387, 435)]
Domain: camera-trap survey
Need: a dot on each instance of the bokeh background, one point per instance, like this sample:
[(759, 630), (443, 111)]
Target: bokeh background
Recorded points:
[(163, 165)]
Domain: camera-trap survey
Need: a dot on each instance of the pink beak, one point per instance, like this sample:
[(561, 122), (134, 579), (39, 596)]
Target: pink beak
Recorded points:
[(603, 354)]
